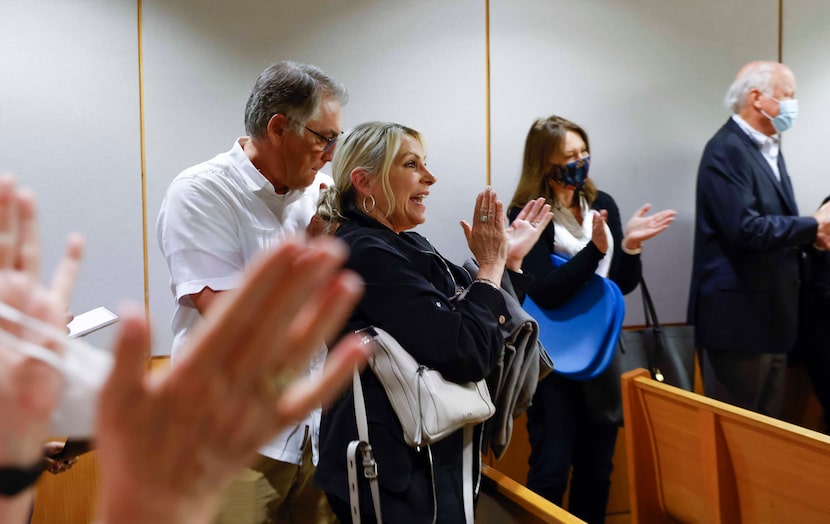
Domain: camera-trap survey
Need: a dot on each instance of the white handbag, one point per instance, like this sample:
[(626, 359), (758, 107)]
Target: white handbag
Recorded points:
[(428, 406)]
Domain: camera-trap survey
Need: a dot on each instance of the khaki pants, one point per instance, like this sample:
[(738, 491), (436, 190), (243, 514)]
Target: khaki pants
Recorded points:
[(275, 492)]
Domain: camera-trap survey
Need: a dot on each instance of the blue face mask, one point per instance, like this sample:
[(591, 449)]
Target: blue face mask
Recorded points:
[(571, 175), (787, 113)]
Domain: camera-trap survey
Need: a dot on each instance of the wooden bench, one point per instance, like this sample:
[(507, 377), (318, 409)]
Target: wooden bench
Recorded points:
[(694, 459), (504, 501)]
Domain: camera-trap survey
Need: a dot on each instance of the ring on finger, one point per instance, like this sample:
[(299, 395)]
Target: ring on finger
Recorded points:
[(484, 218)]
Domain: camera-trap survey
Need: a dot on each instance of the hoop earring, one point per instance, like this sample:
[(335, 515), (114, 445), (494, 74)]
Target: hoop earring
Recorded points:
[(367, 211)]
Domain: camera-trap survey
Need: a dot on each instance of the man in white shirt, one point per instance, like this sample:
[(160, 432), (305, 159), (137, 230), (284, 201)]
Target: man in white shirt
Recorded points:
[(215, 218)]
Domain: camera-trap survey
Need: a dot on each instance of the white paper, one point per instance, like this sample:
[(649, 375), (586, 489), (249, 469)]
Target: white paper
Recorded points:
[(90, 321)]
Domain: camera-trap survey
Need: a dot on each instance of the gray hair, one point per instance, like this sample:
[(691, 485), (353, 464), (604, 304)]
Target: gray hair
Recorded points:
[(293, 89), (755, 76), (371, 146)]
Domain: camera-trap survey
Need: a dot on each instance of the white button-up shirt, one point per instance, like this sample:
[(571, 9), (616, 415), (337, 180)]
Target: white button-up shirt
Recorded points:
[(768, 145), (215, 217)]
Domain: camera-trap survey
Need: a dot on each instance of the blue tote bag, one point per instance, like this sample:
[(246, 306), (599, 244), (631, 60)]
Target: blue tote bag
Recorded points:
[(581, 335)]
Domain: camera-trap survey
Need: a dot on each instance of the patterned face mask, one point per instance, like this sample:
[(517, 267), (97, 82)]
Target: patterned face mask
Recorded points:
[(571, 175)]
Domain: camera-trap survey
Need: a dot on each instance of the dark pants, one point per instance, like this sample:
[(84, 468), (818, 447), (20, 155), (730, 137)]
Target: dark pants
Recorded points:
[(562, 436), (813, 346), (754, 381)]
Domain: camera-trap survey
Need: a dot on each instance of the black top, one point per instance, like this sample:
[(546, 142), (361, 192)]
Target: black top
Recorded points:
[(553, 287)]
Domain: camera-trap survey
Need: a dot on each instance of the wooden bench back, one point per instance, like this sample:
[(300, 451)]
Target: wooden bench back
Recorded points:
[(694, 459)]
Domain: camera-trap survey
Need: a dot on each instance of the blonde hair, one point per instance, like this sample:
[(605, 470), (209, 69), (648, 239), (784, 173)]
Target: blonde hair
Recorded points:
[(546, 136), (371, 146)]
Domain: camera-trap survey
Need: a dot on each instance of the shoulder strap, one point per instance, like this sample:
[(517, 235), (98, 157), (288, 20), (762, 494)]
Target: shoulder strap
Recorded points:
[(649, 312), (467, 464), (370, 467)]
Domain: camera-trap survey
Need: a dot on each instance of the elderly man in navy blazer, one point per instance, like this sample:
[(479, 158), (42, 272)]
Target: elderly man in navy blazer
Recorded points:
[(748, 245)]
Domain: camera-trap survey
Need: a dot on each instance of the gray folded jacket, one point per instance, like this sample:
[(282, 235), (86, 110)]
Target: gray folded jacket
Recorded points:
[(520, 367)]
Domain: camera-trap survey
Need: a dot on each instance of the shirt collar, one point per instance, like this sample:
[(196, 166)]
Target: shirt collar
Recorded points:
[(253, 178), (768, 145), (758, 137)]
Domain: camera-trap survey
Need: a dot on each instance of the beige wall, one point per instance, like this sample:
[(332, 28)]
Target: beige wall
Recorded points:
[(644, 77)]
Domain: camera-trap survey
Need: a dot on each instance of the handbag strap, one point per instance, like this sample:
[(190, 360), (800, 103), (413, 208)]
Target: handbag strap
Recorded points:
[(656, 345), (649, 312), (467, 464), (419, 425), (370, 467)]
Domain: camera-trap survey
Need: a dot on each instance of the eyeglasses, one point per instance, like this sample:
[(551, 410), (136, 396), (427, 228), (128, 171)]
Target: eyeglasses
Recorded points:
[(329, 141)]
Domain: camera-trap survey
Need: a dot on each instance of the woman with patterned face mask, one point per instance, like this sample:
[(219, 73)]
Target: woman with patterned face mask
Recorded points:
[(565, 429)]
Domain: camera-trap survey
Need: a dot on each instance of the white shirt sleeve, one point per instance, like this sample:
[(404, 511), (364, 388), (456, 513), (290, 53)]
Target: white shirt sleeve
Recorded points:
[(198, 235)]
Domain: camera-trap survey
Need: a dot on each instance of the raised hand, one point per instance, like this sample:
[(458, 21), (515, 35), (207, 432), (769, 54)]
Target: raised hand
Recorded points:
[(641, 226), (525, 230), (233, 390), (487, 236), (598, 234), (31, 386)]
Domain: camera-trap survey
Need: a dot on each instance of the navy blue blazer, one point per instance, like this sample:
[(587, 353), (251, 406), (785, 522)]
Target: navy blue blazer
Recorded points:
[(747, 251)]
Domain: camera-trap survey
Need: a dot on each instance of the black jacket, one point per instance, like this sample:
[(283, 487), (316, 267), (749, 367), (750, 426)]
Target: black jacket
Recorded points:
[(408, 291)]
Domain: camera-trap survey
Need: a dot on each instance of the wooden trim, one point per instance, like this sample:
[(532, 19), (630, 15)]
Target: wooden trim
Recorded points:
[(529, 502), (142, 140), (781, 31), (487, 88)]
